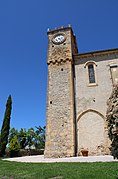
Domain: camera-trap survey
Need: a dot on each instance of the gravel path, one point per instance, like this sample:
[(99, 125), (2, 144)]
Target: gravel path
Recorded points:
[(41, 159)]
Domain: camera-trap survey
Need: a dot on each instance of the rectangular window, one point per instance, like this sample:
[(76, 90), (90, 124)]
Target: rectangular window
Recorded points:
[(114, 73)]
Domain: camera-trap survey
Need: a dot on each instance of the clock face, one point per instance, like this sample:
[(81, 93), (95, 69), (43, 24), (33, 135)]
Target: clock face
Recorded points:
[(60, 38)]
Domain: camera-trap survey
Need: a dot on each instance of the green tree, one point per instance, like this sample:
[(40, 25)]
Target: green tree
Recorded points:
[(30, 137), (22, 138), (39, 141), (5, 127), (14, 147), (13, 132), (112, 118)]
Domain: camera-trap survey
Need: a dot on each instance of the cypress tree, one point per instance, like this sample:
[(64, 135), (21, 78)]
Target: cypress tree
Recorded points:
[(5, 127)]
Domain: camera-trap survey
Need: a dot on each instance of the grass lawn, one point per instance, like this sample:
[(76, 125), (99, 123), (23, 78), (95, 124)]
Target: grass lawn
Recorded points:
[(14, 170)]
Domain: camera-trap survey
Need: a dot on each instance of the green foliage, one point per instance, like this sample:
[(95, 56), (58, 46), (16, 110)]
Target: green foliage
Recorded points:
[(14, 144), (5, 127), (30, 138), (22, 138), (14, 147), (13, 132), (112, 118), (39, 141)]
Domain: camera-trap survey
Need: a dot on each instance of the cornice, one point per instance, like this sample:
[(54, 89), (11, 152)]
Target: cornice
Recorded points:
[(96, 53)]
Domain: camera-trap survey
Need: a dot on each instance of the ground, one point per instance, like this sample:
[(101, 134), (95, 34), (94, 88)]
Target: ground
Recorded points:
[(41, 159)]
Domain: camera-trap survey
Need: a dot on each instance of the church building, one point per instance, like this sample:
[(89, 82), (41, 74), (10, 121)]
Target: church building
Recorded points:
[(79, 85)]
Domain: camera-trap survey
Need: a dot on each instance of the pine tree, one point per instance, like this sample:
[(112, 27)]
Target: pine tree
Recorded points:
[(5, 127), (14, 147), (112, 118)]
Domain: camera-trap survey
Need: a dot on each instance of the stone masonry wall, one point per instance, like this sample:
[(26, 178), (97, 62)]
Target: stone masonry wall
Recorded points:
[(91, 101), (60, 127), (60, 122), (87, 102)]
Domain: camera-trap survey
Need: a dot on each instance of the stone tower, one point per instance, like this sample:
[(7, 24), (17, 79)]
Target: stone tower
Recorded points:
[(79, 85), (61, 125)]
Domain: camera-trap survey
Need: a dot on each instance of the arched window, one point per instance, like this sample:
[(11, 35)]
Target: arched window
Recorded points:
[(91, 73)]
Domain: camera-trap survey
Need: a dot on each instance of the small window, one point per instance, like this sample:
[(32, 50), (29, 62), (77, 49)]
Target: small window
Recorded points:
[(91, 73), (114, 73)]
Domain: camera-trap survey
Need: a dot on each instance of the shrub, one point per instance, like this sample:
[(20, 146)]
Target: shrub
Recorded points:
[(112, 118)]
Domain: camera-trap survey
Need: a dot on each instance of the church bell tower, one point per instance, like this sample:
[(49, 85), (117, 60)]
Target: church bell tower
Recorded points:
[(61, 123)]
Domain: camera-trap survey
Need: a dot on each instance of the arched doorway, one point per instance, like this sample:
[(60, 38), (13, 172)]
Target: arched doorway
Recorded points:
[(91, 132)]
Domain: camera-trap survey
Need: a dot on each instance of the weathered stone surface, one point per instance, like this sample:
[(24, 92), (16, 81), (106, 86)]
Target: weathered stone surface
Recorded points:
[(76, 109), (60, 132), (91, 103)]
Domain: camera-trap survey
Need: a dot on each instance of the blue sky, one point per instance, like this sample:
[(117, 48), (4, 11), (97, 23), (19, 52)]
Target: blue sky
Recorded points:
[(23, 47)]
